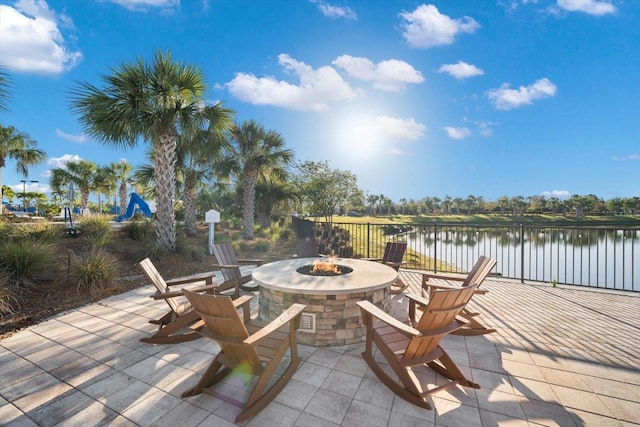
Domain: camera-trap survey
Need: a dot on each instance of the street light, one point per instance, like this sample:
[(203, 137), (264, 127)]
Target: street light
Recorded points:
[(24, 192)]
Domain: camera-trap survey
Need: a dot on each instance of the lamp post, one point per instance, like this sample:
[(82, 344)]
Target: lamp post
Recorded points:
[(24, 192)]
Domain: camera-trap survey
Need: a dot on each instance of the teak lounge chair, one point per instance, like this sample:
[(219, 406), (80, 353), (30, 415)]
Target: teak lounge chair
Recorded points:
[(477, 275), (393, 254), (229, 265), (180, 314), (406, 346), (248, 348)]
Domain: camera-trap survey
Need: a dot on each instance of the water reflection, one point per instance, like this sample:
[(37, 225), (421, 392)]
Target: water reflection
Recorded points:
[(606, 258)]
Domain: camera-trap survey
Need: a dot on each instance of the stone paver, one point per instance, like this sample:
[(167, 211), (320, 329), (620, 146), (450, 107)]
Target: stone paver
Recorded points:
[(561, 357)]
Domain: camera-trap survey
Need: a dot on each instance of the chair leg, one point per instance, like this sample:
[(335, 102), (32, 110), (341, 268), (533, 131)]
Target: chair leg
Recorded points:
[(258, 401), (214, 373), (398, 287), (450, 370), (164, 334), (472, 327)]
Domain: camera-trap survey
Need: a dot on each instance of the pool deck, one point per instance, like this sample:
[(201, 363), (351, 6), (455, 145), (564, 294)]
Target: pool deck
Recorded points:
[(561, 357)]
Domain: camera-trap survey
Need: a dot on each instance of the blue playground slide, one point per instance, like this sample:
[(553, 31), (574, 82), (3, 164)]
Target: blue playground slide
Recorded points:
[(134, 201)]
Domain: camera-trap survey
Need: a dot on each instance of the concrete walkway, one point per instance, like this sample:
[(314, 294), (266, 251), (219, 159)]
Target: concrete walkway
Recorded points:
[(561, 357)]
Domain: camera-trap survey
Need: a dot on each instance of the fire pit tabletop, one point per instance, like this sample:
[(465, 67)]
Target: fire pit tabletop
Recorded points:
[(282, 276)]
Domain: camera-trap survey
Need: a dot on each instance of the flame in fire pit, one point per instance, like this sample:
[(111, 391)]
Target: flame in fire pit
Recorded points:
[(321, 267)]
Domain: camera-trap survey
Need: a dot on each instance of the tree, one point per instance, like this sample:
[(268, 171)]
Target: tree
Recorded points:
[(20, 147), (200, 159), (256, 153), (80, 173), (324, 189), (270, 193), (5, 86), (155, 102), (121, 172), (104, 182)]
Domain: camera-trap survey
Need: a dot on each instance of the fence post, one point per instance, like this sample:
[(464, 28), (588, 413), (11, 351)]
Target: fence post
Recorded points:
[(521, 253), (368, 240), (435, 247)]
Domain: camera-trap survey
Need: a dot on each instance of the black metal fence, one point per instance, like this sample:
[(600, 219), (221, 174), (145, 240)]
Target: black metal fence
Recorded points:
[(592, 257)]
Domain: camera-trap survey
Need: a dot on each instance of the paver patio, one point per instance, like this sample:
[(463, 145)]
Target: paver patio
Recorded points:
[(561, 357)]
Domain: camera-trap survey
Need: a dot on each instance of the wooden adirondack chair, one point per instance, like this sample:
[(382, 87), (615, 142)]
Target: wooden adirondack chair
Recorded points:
[(180, 314), (229, 265), (393, 254), (416, 343), (479, 272), (248, 348)]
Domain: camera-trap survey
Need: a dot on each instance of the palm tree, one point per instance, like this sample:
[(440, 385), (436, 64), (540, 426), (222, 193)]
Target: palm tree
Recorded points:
[(257, 152), (4, 89), (199, 159), (80, 173), (154, 101), (104, 182), (20, 147), (121, 172)]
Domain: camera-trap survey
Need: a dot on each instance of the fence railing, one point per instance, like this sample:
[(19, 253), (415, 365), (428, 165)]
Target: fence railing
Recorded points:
[(592, 257)]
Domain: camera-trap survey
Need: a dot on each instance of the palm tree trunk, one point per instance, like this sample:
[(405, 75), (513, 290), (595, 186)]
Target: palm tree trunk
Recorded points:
[(190, 208), (123, 197), (164, 158), (249, 197)]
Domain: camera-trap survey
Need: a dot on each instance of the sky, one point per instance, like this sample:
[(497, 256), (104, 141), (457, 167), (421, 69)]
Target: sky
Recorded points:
[(488, 98)]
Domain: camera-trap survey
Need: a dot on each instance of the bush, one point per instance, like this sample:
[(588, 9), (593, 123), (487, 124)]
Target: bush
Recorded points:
[(191, 249), (139, 231), (8, 302), (92, 270), (153, 250), (45, 233), (24, 259), (96, 231), (261, 246)]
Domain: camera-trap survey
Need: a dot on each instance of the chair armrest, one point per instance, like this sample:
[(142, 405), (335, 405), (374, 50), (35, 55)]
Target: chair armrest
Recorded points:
[(221, 266), (368, 309), (372, 259), (250, 261), (292, 314), (174, 294), (207, 277), (415, 300), (427, 276), (395, 264)]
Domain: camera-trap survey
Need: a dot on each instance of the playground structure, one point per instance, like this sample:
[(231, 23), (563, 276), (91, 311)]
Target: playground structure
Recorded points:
[(135, 201)]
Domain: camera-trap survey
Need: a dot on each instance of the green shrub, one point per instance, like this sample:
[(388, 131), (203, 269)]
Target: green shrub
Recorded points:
[(193, 250), (25, 259), (92, 270), (262, 245), (96, 231), (154, 250), (8, 302), (44, 232), (139, 231)]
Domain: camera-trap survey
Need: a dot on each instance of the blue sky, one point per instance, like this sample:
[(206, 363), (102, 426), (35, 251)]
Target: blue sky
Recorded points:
[(485, 97)]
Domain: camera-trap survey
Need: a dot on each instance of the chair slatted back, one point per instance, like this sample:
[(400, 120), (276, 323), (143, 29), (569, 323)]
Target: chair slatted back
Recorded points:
[(156, 278), (480, 271), (438, 319), (224, 325), (225, 254), (393, 252)]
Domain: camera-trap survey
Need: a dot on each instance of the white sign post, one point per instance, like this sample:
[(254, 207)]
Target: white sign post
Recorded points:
[(211, 217)]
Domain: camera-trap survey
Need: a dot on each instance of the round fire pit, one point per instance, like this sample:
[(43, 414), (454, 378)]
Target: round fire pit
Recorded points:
[(332, 316)]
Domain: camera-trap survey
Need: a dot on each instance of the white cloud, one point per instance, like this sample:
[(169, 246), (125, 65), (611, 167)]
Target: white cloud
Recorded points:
[(485, 128), (73, 138), (629, 157), (427, 27), (392, 128), (505, 98), (592, 7), (316, 90), (457, 133), (332, 11), (461, 70), (391, 75), (559, 194), (32, 40), (142, 4), (61, 162)]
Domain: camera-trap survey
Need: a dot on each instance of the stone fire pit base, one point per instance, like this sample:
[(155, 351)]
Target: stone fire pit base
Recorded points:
[(336, 318)]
